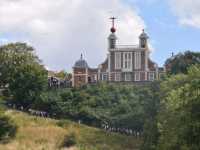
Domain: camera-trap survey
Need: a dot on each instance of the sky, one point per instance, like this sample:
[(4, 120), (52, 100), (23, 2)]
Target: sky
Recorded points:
[(63, 29)]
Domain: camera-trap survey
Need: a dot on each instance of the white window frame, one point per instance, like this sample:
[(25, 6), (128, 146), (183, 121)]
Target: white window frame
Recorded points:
[(138, 57), (95, 77), (104, 75), (126, 76), (118, 77), (118, 60), (151, 76), (137, 76), (127, 61)]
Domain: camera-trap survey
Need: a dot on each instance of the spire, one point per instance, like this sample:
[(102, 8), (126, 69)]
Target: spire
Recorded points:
[(112, 37), (113, 21), (81, 63), (113, 30), (81, 56)]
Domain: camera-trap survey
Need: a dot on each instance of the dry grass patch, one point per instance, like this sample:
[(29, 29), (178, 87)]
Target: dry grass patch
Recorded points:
[(35, 133)]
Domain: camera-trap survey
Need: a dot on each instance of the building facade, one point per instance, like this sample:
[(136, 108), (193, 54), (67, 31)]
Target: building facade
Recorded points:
[(124, 63)]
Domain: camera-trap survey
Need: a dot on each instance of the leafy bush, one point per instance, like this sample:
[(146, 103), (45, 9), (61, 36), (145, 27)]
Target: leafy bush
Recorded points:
[(7, 128), (69, 140), (119, 105)]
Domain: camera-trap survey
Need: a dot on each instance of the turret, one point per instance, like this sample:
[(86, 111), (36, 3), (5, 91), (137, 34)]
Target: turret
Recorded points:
[(143, 40), (112, 37)]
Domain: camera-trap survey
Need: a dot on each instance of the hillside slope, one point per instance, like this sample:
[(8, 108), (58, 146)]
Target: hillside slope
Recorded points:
[(35, 133)]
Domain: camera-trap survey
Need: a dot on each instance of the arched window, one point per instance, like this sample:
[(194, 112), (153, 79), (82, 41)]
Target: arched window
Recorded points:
[(143, 43)]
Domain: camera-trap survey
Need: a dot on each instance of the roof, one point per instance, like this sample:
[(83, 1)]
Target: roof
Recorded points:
[(144, 35), (81, 63), (112, 36)]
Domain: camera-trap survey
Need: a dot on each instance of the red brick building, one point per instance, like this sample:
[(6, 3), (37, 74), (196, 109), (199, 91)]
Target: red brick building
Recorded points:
[(124, 63)]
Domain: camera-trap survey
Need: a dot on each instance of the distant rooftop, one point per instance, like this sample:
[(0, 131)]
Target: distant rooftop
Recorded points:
[(81, 63)]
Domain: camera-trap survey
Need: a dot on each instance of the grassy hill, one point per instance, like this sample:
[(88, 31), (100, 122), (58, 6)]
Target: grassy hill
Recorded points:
[(35, 133)]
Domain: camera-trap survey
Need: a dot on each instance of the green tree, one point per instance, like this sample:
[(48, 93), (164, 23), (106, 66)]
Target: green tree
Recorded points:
[(29, 81), (21, 72), (181, 62), (13, 55), (179, 116), (62, 74), (151, 96)]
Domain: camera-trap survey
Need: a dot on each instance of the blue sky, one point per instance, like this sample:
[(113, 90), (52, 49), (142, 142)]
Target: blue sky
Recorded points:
[(166, 33), (63, 29)]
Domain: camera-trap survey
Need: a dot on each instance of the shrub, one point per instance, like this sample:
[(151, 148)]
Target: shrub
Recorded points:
[(7, 128), (69, 140)]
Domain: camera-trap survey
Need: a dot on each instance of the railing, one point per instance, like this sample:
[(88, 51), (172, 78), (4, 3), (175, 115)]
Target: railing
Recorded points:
[(127, 46)]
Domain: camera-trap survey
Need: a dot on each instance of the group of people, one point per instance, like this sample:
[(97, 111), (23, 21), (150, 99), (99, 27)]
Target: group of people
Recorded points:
[(38, 113), (121, 130), (32, 111), (14, 106), (56, 83), (105, 126)]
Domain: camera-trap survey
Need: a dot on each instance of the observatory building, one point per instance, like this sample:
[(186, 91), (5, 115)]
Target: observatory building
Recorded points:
[(124, 63)]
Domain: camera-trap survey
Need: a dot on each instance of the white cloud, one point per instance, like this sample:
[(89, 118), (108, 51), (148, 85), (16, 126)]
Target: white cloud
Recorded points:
[(187, 11), (62, 29)]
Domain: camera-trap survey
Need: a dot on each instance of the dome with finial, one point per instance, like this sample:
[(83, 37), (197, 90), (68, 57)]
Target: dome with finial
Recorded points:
[(144, 35), (81, 63)]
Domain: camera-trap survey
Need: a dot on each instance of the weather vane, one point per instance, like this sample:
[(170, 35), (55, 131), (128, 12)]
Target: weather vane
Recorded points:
[(113, 21), (113, 24)]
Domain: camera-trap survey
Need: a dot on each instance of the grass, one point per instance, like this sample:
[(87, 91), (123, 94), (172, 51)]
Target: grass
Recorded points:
[(36, 133)]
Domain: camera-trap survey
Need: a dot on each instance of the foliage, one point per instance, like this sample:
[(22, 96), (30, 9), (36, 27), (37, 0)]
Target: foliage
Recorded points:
[(181, 62), (152, 105), (179, 116), (63, 75), (118, 105), (29, 81), (69, 140), (167, 112), (21, 72), (13, 55), (7, 128)]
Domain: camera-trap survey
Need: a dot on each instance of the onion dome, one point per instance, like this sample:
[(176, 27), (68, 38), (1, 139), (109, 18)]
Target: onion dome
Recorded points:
[(81, 63)]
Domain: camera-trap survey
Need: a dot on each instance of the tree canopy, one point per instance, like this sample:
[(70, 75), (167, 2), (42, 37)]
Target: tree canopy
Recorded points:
[(179, 116), (21, 72), (181, 62)]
